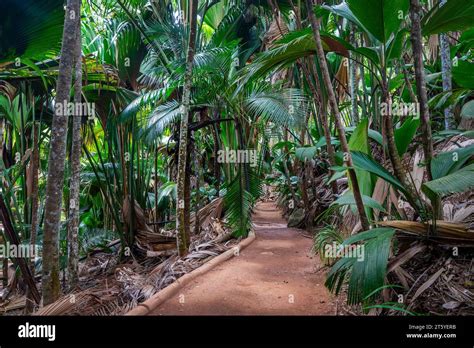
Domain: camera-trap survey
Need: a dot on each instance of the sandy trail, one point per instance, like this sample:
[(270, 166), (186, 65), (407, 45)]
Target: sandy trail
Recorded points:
[(275, 275)]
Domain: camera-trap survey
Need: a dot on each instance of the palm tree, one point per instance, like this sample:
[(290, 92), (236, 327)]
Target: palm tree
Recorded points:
[(57, 155), (183, 209), (315, 25), (417, 44), (75, 155)]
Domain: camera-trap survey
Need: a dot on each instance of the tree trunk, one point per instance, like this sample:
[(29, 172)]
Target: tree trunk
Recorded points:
[(2, 127), (416, 40), (182, 214), (446, 67), (316, 90), (34, 206), (57, 155), (353, 78), (387, 124), (217, 168), (315, 24), (197, 174), (309, 69), (74, 202), (5, 260)]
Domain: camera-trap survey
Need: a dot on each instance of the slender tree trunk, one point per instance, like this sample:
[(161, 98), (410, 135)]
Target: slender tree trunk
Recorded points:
[(409, 86), (34, 207), (2, 127), (416, 40), (182, 215), (318, 96), (315, 24), (353, 79), (57, 155), (74, 202), (197, 220), (387, 124), (5, 260), (217, 168), (446, 74), (187, 181), (309, 69), (316, 91), (155, 216)]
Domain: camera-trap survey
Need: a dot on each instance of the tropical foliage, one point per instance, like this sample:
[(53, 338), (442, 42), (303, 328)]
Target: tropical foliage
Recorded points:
[(325, 101)]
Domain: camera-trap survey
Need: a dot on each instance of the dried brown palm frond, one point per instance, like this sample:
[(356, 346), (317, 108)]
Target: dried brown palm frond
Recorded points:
[(349, 221), (15, 303), (277, 29), (380, 194), (64, 305), (342, 78), (453, 143), (446, 232), (442, 284), (418, 171), (405, 256), (433, 48), (140, 219), (464, 214), (134, 282), (206, 214)]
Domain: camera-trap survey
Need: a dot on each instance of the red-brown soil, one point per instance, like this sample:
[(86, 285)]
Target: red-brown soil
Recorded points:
[(275, 275)]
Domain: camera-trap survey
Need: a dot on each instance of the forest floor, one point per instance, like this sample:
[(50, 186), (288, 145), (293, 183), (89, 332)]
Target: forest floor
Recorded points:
[(275, 275)]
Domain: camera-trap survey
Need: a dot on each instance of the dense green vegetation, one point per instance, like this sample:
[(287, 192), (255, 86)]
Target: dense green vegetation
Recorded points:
[(357, 112)]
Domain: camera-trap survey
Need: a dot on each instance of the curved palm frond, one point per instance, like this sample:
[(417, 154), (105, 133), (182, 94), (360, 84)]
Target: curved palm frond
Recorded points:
[(284, 107)]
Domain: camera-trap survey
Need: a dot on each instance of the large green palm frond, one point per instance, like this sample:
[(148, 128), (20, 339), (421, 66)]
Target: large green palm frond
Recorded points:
[(366, 268), (30, 29), (227, 29), (239, 199), (287, 106), (161, 117)]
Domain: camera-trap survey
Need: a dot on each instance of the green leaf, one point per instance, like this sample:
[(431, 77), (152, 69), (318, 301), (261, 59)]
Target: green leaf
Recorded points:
[(282, 144), (460, 181), (286, 106), (405, 134), (31, 29), (305, 153), (239, 199), (166, 194), (348, 199), (336, 176), (293, 46), (322, 142), (376, 136), (468, 110), (364, 162), (359, 141), (454, 15), (463, 74), (369, 52), (448, 162), (366, 275), (379, 18), (395, 45)]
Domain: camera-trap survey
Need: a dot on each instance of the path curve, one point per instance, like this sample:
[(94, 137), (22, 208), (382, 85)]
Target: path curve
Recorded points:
[(275, 275)]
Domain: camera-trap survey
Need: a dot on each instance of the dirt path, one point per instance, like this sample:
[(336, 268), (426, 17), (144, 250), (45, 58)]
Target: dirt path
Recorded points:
[(275, 275)]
